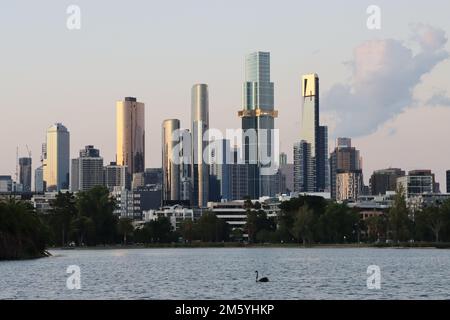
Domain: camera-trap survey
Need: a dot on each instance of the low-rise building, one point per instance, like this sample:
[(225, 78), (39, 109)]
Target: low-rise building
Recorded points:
[(176, 214)]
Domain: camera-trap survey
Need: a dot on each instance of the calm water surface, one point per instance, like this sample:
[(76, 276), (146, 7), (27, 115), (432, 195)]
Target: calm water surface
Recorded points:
[(229, 274)]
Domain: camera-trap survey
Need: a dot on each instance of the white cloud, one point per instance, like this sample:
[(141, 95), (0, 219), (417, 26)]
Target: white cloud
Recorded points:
[(384, 75)]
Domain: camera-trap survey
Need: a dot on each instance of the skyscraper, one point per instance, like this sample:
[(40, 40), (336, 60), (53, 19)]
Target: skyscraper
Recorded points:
[(239, 176), (316, 136), (25, 173), (258, 117), (448, 181), (130, 123), (303, 167), (87, 170), (344, 158), (170, 164), (349, 185), (116, 176), (186, 165), (39, 179), (57, 158), (385, 180), (220, 169), (200, 124)]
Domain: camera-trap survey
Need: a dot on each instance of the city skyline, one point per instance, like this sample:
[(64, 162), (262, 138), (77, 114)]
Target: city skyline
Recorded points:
[(397, 136)]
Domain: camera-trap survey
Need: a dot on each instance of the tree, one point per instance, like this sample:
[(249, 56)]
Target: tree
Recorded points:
[(23, 235), (63, 210), (212, 229), (83, 228), (399, 222), (258, 222), (376, 227), (237, 234), (289, 210), (434, 219), (337, 223), (98, 205), (303, 224), (187, 230), (125, 227)]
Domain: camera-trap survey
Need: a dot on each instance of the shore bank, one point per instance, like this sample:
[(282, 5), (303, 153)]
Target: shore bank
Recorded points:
[(267, 245)]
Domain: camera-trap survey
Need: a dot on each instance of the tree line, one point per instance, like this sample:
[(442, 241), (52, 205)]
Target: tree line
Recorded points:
[(88, 219)]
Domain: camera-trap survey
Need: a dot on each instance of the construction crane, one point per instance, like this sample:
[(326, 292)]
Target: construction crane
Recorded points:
[(29, 151), (17, 163)]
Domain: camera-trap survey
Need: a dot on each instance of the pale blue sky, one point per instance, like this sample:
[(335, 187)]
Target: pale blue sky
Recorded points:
[(156, 50)]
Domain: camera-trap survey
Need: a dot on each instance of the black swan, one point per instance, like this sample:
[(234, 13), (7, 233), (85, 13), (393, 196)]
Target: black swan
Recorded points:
[(264, 279)]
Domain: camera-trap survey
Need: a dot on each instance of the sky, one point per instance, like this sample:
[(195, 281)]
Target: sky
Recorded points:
[(387, 89)]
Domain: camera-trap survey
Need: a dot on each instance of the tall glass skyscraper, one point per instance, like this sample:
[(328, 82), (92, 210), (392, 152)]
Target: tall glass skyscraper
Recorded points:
[(200, 124), (130, 135), (258, 116), (57, 158), (25, 173), (170, 166), (315, 135)]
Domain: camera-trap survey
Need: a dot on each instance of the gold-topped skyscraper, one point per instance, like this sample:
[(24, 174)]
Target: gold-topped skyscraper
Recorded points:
[(311, 153), (130, 126)]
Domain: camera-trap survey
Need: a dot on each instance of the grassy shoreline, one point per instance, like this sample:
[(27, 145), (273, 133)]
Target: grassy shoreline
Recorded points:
[(267, 245)]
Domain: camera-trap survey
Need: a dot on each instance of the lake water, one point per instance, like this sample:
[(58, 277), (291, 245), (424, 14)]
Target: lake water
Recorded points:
[(228, 273)]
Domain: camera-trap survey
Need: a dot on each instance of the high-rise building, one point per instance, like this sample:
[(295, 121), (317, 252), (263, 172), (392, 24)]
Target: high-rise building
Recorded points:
[(283, 158), (344, 158), (57, 158), (316, 136), (171, 159), (87, 170), (303, 167), (349, 185), (258, 117), (116, 176), (186, 165), (417, 182), (39, 180), (220, 165), (6, 184), (25, 173), (130, 125), (200, 125), (39, 183), (286, 178), (385, 180), (448, 181), (239, 176), (153, 176)]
